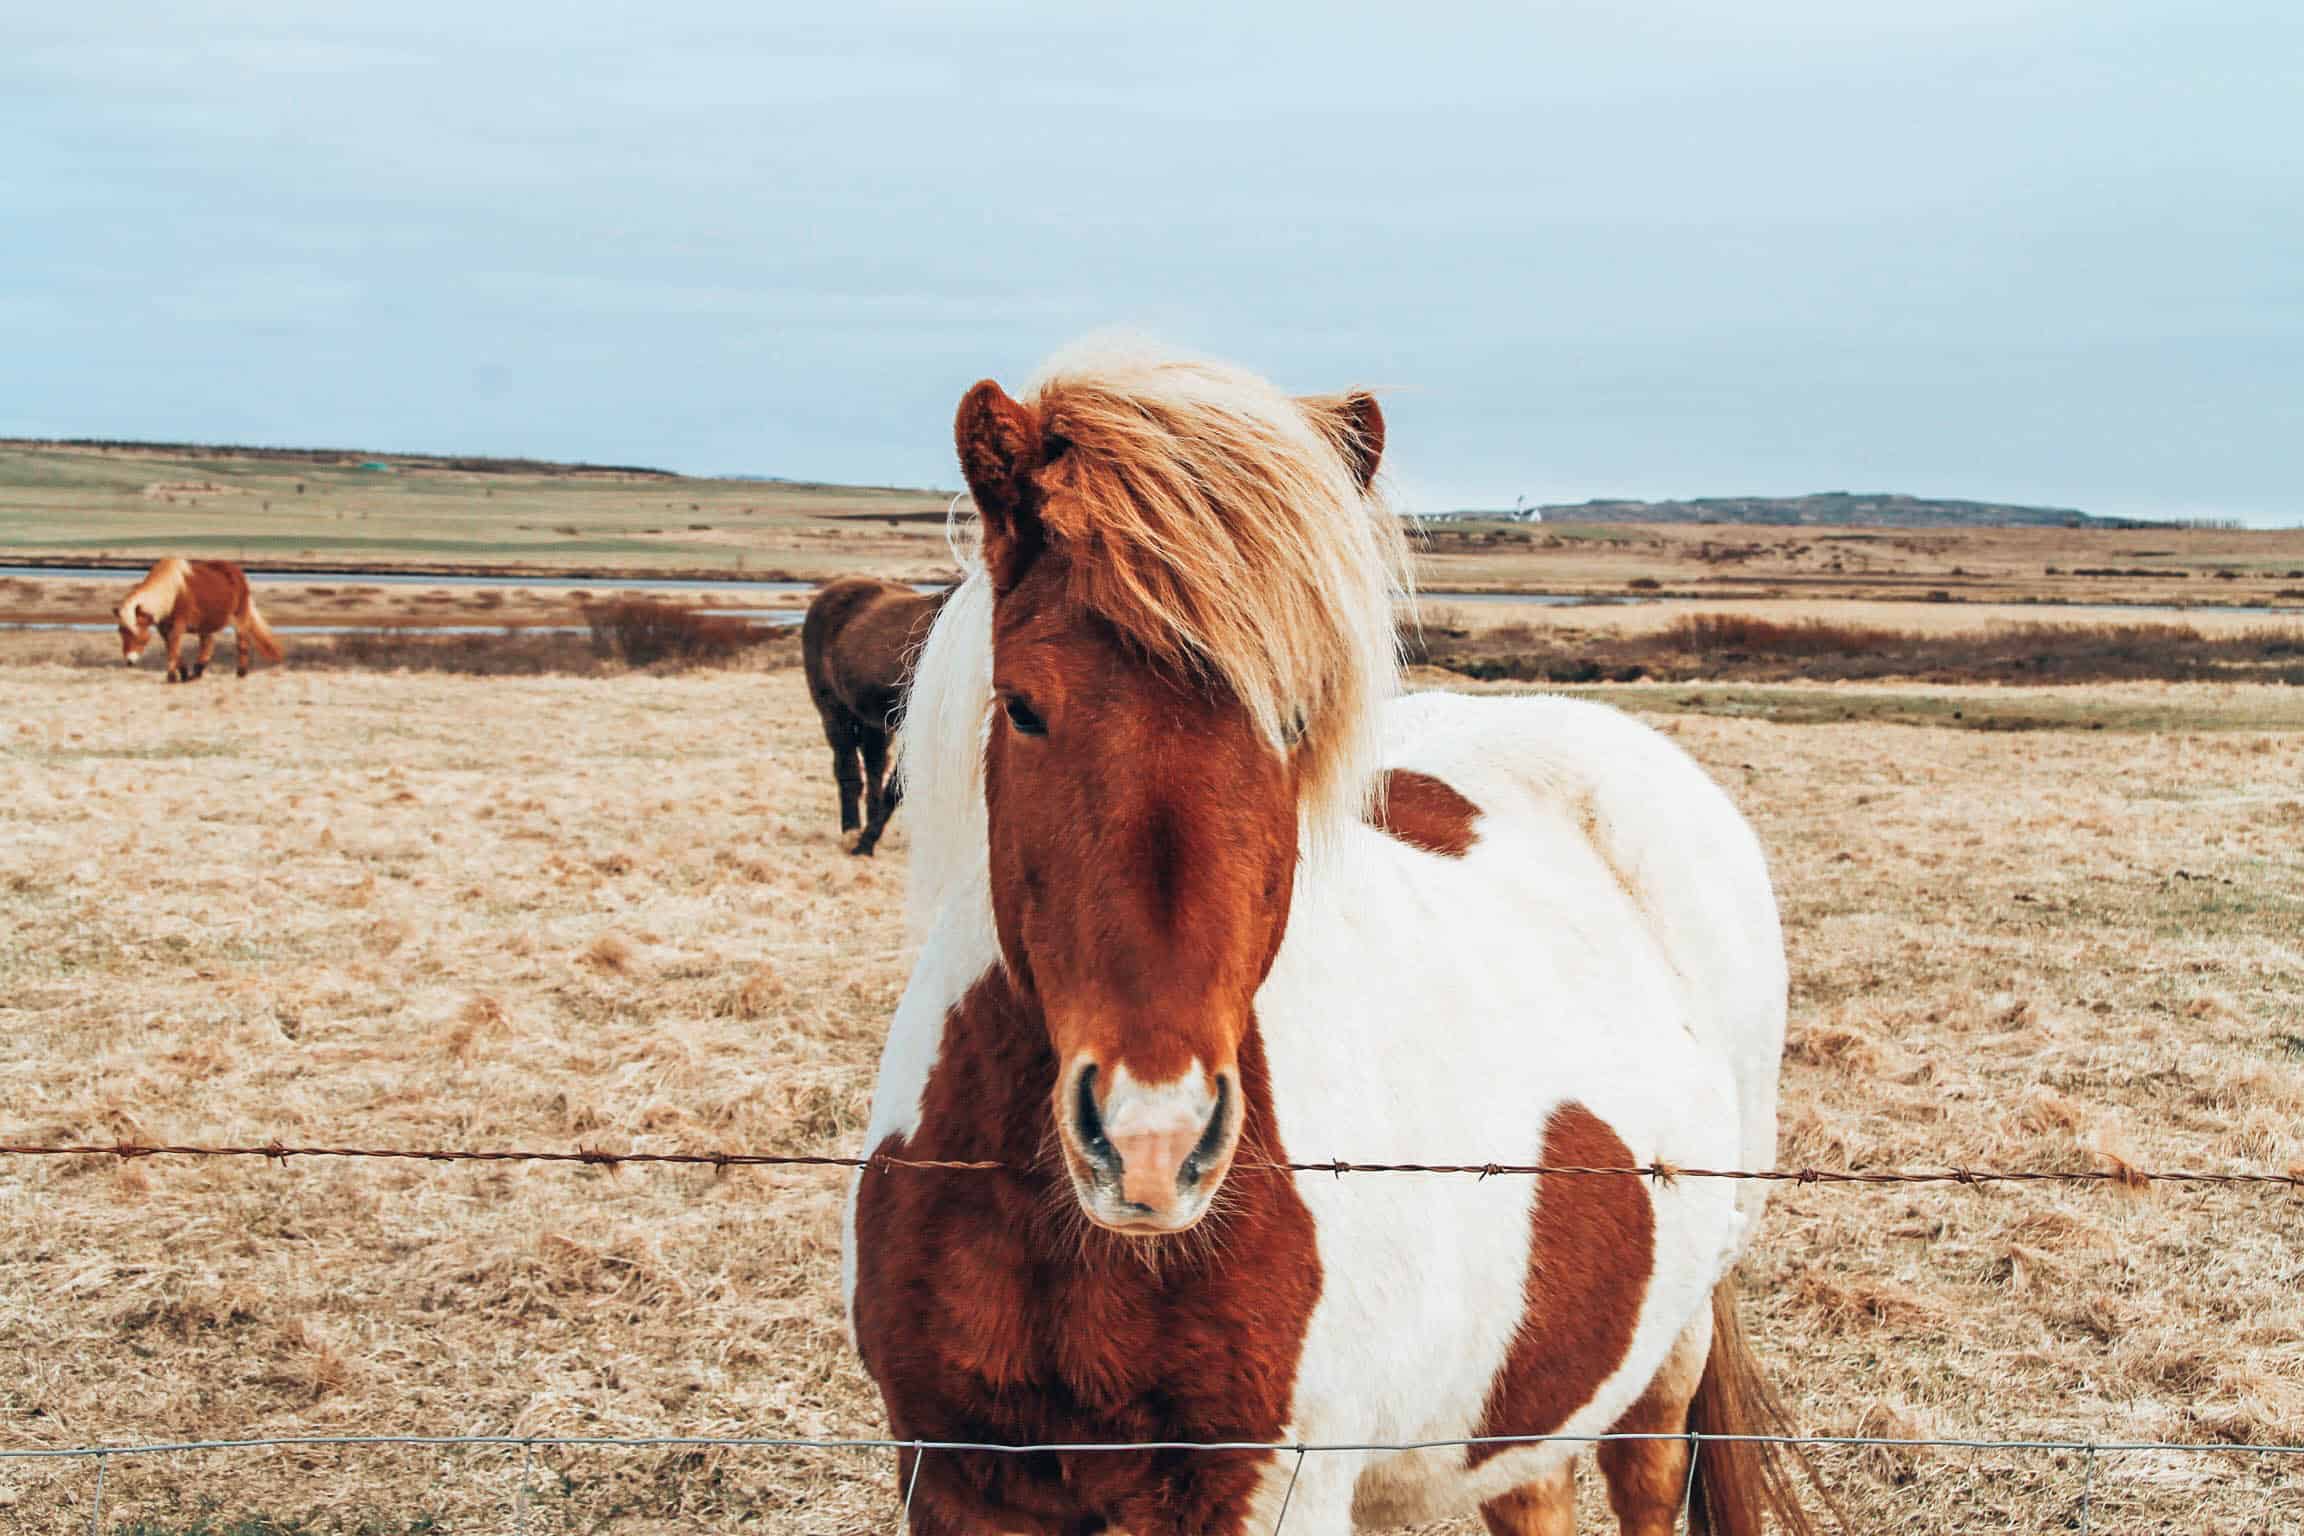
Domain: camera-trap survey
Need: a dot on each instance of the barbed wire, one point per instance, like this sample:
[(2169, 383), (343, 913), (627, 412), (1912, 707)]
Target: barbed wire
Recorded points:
[(2118, 1173)]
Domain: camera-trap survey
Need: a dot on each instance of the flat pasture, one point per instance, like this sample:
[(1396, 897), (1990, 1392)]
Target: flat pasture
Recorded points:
[(60, 502), (2188, 566), (420, 910)]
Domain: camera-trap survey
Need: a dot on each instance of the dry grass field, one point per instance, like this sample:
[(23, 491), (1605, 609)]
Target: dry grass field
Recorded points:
[(269, 512), (422, 910), (1972, 565), (274, 513)]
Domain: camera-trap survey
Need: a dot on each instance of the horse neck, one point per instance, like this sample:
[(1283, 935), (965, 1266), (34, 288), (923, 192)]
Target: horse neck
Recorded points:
[(158, 592)]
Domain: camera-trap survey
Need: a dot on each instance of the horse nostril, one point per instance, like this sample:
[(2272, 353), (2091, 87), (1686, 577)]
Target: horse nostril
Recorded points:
[(1088, 1121), (1211, 1144)]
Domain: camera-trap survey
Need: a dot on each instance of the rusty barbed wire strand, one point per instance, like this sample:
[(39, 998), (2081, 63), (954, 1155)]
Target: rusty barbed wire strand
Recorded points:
[(2120, 1173)]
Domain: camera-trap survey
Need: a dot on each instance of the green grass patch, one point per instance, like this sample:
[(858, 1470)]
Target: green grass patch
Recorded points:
[(287, 1525)]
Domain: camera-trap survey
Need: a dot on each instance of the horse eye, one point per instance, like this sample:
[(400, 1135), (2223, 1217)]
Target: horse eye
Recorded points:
[(1020, 716)]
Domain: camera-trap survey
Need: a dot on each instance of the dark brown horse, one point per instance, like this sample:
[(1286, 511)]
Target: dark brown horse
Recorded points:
[(196, 596), (859, 641)]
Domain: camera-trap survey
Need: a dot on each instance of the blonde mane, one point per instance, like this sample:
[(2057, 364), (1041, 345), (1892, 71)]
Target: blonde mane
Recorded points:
[(156, 594), (1221, 526)]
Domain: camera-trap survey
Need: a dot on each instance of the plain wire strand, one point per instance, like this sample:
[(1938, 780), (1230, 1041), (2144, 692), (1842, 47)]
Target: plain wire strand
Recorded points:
[(904, 1521), (1282, 1518), (1688, 1488), (752, 1442), (520, 1494)]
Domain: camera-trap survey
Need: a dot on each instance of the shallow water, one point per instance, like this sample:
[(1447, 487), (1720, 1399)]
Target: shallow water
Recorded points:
[(411, 579), (667, 584), (766, 620), (647, 584)]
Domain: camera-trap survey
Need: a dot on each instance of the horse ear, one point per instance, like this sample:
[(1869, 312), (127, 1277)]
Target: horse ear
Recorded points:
[(1355, 425), (1000, 447)]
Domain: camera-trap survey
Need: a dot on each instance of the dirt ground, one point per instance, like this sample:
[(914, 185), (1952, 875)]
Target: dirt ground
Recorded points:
[(405, 910)]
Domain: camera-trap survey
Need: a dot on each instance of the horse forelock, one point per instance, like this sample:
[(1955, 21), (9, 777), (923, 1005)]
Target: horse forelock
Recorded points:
[(1207, 516)]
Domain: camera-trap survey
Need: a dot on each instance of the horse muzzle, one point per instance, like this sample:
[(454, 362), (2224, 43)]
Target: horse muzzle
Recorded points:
[(1147, 1159)]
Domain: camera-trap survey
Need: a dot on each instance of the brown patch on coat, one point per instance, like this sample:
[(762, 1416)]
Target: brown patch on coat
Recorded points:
[(1592, 1249), (1427, 813), (987, 1309), (1545, 1507)]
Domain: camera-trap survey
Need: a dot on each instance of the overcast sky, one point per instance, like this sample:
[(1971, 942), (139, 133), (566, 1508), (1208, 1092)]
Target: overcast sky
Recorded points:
[(2049, 252)]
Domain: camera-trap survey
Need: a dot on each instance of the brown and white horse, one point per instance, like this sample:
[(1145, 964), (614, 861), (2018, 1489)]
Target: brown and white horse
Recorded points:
[(196, 596), (857, 643), (1199, 895)]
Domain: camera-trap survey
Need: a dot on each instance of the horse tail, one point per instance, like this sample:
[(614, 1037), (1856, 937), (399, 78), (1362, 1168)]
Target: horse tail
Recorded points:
[(267, 643), (1739, 1485)]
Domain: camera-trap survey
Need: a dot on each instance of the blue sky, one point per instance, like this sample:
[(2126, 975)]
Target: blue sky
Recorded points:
[(2050, 252)]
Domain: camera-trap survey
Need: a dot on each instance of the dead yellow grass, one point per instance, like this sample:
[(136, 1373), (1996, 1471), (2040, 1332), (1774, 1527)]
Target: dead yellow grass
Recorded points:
[(422, 910)]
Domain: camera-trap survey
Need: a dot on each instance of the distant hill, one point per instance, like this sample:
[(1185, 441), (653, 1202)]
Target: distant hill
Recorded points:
[(1840, 509), (469, 463)]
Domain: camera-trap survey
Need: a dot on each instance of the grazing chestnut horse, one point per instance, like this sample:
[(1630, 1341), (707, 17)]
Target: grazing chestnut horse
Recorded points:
[(199, 596), (858, 643), (1199, 895)]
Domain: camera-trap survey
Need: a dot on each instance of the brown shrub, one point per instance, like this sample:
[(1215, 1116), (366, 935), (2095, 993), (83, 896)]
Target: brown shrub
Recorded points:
[(617, 634), (510, 652), (1741, 647), (1704, 633), (640, 632)]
